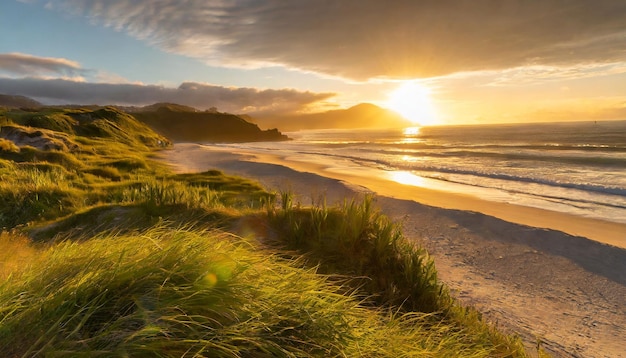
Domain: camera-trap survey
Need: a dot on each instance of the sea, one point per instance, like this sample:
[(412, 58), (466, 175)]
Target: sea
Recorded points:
[(575, 167)]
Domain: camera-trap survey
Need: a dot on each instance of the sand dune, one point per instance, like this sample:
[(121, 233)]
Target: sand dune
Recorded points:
[(544, 275)]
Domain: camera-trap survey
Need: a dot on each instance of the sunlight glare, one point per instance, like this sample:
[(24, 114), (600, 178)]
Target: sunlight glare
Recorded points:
[(407, 178), (411, 135), (411, 131), (412, 101)]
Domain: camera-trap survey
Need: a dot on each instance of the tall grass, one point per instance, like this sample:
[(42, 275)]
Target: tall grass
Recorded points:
[(37, 190), (28, 193), (161, 192), (16, 252), (355, 240), (8, 146), (175, 293)]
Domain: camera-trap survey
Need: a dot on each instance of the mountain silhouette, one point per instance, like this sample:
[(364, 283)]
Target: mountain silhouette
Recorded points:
[(364, 115)]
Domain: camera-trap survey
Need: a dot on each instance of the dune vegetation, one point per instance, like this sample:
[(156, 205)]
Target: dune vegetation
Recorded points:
[(104, 251)]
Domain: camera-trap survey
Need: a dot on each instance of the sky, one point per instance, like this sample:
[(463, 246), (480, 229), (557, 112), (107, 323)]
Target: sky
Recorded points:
[(435, 61)]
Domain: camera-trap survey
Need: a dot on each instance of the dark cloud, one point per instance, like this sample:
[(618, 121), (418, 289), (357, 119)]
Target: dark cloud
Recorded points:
[(198, 95), (371, 38), (23, 64)]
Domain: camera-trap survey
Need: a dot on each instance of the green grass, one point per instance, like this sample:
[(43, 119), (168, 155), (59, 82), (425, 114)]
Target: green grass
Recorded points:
[(105, 252), (29, 193), (105, 123), (177, 293), (106, 172), (111, 165), (355, 240), (8, 146)]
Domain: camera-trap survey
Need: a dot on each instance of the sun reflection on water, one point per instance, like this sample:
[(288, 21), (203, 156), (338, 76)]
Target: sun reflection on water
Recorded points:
[(407, 178), (411, 131), (411, 135), (408, 158)]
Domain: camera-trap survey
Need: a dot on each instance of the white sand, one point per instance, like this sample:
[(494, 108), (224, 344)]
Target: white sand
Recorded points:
[(569, 291)]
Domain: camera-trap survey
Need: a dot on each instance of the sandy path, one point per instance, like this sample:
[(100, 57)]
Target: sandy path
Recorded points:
[(568, 291)]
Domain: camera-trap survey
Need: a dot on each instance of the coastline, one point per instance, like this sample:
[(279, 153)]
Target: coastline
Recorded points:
[(606, 232), (602, 231), (506, 260)]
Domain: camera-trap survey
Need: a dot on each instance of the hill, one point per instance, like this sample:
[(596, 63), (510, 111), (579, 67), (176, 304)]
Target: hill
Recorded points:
[(51, 128), (9, 101), (40, 125), (364, 115), (185, 124), (106, 252)]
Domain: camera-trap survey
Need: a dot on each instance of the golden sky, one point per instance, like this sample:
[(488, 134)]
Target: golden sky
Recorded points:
[(438, 61)]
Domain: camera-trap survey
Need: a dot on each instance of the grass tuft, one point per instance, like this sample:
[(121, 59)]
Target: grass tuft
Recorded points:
[(355, 240), (155, 193), (8, 146)]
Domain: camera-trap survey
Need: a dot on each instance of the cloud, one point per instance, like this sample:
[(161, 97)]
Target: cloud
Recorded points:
[(20, 64), (363, 39), (581, 109), (525, 76), (102, 76), (198, 95), (541, 74)]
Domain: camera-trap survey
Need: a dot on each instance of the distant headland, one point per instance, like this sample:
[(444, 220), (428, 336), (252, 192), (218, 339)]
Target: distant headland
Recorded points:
[(177, 122), (184, 123)]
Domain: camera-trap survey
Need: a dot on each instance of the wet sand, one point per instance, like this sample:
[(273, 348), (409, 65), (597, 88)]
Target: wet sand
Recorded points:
[(541, 274)]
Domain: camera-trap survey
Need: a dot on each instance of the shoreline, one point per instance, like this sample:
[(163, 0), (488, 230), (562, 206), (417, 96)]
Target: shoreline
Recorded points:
[(602, 231), (542, 284), (606, 232)]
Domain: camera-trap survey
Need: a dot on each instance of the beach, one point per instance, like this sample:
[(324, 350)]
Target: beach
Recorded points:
[(547, 276)]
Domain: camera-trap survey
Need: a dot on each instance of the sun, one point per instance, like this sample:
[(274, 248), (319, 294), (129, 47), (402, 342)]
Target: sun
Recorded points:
[(412, 101)]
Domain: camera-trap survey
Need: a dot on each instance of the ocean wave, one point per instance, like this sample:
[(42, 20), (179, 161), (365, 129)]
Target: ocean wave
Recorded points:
[(386, 164), (571, 167), (588, 187), (590, 160), (573, 201), (414, 144)]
